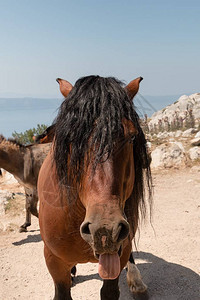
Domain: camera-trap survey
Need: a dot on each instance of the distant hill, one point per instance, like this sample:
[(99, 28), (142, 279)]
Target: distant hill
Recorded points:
[(8, 104)]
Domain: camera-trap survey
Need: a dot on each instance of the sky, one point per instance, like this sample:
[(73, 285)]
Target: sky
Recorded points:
[(43, 40)]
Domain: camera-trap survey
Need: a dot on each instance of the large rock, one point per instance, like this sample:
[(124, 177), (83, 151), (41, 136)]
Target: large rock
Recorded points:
[(178, 133), (162, 135), (195, 141), (189, 132), (197, 135), (168, 155), (183, 104), (194, 153)]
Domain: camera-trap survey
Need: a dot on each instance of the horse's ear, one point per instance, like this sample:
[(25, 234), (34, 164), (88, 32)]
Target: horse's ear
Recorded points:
[(65, 86), (133, 87)]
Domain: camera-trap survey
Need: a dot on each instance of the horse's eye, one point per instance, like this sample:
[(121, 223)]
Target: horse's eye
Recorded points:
[(132, 139)]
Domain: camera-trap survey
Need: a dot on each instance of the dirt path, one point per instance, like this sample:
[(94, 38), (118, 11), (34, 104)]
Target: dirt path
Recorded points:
[(168, 255)]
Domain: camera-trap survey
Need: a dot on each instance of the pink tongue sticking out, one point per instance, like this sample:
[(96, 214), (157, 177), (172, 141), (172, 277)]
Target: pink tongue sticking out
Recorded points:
[(109, 266)]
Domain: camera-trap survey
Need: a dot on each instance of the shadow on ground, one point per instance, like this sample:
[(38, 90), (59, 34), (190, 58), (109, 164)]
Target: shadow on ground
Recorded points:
[(166, 281), (35, 238)]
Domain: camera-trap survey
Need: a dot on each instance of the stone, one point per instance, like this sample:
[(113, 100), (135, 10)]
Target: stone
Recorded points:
[(194, 153), (197, 135), (189, 132), (162, 135), (180, 145), (168, 155), (171, 134), (148, 145), (178, 133), (195, 141)]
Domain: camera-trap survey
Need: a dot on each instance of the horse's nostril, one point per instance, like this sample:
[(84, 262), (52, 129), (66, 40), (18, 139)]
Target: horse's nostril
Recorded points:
[(123, 231), (85, 229)]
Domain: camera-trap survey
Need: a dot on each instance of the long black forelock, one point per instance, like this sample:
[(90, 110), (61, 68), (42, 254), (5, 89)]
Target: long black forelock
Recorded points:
[(91, 115), (91, 118)]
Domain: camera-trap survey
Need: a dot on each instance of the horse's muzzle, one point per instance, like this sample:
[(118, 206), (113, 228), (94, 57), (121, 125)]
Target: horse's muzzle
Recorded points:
[(104, 238)]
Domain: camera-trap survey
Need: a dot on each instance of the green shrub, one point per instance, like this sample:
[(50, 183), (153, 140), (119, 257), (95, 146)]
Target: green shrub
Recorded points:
[(27, 137)]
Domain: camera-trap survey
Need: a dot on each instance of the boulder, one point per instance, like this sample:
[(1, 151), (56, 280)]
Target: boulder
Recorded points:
[(179, 109), (171, 134), (195, 141), (178, 133), (162, 135), (189, 132), (194, 153), (197, 134), (168, 155)]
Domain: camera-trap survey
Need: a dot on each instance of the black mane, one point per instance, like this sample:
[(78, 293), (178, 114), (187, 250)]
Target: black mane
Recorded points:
[(91, 116)]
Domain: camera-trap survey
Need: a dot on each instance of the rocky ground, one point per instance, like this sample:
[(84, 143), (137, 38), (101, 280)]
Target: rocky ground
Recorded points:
[(174, 149), (173, 133), (182, 110), (168, 248)]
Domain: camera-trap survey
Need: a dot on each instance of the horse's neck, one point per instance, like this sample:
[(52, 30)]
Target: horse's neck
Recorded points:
[(35, 158), (12, 158)]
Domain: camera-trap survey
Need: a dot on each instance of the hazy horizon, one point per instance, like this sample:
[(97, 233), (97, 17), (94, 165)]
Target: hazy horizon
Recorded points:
[(21, 114)]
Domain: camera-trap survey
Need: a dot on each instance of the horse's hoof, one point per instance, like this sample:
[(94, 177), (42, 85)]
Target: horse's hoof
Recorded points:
[(138, 287), (134, 280), (22, 229)]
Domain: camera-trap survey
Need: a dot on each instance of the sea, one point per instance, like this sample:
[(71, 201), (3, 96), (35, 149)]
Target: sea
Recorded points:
[(21, 114)]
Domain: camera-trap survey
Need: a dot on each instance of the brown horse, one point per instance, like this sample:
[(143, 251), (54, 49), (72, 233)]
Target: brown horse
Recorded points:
[(91, 185)]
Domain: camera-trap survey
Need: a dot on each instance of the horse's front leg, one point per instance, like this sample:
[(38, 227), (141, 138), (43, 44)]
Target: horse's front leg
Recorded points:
[(31, 207), (134, 278), (33, 203), (62, 292), (110, 289), (61, 275), (23, 228)]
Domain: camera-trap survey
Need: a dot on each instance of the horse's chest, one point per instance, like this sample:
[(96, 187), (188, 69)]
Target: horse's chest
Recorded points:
[(71, 248)]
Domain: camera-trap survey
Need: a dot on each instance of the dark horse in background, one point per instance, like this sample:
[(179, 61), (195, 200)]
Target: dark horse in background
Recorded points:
[(91, 185)]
